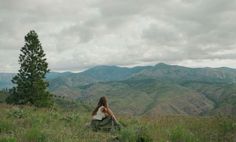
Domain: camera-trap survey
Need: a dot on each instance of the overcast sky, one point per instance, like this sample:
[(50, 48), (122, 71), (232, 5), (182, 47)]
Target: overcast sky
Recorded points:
[(79, 34)]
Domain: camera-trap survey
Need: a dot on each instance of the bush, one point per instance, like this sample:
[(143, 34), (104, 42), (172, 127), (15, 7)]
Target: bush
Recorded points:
[(3, 97), (70, 117), (17, 113)]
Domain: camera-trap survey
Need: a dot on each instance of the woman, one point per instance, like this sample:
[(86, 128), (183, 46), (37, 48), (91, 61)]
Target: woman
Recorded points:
[(103, 118)]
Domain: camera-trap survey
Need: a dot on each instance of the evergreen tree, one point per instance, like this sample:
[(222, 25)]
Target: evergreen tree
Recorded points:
[(30, 84)]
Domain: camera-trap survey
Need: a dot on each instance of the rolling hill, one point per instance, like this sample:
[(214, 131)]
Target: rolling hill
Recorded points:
[(152, 90)]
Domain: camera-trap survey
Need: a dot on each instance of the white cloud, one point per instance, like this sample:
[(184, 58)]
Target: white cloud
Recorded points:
[(80, 34)]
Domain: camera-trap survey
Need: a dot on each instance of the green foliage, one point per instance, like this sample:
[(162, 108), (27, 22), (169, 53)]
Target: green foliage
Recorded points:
[(70, 117), (34, 135), (143, 135), (226, 125), (64, 125), (3, 96), (16, 113), (5, 126), (128, 135), (31, 87), (135, 133), (180, 134), (7, 139)]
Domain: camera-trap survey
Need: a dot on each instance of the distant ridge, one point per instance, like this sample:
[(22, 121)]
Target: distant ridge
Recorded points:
[(160, 89)]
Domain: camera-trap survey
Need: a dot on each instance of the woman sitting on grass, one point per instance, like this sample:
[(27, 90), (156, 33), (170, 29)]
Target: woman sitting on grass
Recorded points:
[(103, 118)]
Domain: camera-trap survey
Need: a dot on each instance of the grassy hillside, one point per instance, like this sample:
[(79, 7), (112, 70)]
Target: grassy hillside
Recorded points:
[(148, 97), (29, 124), (152, 90), (223, 95)]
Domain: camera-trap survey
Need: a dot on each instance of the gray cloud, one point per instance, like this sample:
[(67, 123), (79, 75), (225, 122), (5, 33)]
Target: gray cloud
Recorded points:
[(80, 34)]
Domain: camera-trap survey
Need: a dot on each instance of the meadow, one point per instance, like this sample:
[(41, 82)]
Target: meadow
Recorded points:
[(31, 124)]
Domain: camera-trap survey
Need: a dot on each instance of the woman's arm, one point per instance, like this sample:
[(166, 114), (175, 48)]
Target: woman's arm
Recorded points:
[(110, 113)]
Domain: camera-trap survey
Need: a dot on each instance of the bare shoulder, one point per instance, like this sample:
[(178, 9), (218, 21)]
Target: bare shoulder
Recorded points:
[(104, 109)]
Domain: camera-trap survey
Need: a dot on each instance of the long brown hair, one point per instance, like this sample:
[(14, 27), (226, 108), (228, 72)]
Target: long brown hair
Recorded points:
[(102, 102)]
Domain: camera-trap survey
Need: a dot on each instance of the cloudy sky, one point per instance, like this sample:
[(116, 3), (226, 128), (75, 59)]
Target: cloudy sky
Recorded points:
[(79, 34)]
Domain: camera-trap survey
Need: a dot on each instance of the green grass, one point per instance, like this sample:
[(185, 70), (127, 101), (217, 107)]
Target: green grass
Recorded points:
[(30, 124)]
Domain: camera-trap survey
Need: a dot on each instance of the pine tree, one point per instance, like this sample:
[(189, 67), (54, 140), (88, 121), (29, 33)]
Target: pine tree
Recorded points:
[(30, 84)]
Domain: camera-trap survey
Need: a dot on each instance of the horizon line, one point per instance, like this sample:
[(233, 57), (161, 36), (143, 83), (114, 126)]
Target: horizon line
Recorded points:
[(131, 66)]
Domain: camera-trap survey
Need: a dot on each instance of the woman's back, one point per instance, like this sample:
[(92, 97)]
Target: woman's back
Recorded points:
[(103, 118), (100, 114)]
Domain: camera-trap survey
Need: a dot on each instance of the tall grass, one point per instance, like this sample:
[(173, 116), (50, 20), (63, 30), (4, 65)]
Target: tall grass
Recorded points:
[(29, 124)]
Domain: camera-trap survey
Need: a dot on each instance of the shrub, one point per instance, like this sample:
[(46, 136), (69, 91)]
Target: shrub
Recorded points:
[(70, 117), (3, 96), (16, 113)]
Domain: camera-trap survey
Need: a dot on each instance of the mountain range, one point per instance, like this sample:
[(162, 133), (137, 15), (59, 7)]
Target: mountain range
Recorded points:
[(149, 90)]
